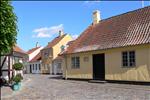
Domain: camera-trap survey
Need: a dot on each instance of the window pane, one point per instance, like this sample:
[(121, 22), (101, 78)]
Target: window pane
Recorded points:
[(73, 62), (33, 66), (77, 62), (125, 59), (132, 58)]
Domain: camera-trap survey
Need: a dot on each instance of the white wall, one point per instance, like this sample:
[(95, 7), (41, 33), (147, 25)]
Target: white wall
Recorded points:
[(33, 54), (35, 70), (5, 67)]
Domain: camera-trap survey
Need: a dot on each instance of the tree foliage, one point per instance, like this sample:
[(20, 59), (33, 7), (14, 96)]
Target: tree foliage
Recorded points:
[(8, 27)]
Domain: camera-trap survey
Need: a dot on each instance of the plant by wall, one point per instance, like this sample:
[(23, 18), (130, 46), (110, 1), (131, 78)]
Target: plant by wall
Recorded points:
[(18, 66), (17, 78)]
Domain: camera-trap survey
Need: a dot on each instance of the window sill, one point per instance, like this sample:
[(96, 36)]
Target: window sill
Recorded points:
[(128, 66)]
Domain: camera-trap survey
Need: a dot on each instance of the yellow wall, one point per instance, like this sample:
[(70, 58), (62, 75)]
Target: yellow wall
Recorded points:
[(55, 50), (84, 71), (57, 47), (113, 65)]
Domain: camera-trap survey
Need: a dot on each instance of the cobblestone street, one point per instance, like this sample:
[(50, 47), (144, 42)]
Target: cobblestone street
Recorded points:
[(48, 87)]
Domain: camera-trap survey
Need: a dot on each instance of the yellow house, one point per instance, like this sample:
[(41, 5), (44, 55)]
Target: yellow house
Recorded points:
[(116, 48), (50, 62)]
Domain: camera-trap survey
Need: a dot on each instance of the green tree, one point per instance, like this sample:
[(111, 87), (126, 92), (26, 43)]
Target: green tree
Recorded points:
[(8, 27)]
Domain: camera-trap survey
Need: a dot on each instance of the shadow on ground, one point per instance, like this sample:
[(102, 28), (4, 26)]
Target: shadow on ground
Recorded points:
[(56, 77)]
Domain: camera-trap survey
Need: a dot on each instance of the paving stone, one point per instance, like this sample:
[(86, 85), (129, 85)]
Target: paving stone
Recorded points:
[(46, 87)]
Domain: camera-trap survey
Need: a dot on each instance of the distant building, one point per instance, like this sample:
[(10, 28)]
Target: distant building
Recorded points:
[(35, 64), (116, 48), (51, 63), (32, 53)]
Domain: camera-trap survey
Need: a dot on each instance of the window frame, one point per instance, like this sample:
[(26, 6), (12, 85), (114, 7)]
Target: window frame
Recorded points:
[(75, 62), (129, 57), (32, 66)]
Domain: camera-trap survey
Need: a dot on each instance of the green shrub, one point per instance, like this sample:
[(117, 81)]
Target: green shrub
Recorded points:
[(18, 66), (17, 78)]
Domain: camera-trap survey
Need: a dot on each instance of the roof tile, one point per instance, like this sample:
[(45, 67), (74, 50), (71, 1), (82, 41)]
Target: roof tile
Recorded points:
[(131, 28)]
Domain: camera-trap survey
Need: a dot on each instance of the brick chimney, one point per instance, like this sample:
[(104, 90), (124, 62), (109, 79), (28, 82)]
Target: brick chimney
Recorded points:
[(61, 33), (96, 17)]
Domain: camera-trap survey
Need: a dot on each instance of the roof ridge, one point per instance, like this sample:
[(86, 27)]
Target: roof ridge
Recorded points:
[(54, 41), (32, 50), (127, 29), (132, 11)]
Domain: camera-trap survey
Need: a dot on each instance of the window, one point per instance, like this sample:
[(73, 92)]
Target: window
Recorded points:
[(36, 66), (128, 58), (16, 60), (75, 62), (59, 66), (33, 66), (62, 48), (45, 53)]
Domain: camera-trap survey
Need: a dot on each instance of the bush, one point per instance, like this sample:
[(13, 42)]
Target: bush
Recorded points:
[(18, 66), (17, 78)]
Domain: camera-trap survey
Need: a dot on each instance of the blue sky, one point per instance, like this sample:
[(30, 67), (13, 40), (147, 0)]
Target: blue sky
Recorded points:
[(40, 21)]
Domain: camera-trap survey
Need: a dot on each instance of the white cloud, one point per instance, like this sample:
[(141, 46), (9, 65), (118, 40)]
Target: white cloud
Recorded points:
[(91, 3), (75, 36), (47, 31), (94, 1)]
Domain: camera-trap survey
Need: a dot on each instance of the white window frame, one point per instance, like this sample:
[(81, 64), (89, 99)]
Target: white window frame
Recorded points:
[(128, 59), (74, 63)]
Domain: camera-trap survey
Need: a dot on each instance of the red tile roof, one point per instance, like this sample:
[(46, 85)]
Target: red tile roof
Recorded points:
[(32, 50), (55, 41), (18, 49), (131, 28), (36, 58)]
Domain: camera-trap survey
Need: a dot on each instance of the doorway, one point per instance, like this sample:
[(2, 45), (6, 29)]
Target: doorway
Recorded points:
[(99, 66), (30, 68)]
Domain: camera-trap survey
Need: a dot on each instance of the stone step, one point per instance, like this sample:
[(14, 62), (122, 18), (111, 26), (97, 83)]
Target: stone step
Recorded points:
[(97, 81)]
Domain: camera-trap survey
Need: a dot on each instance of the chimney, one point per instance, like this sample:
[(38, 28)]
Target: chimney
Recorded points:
[(37, 44), (96, 17), (61, 33)]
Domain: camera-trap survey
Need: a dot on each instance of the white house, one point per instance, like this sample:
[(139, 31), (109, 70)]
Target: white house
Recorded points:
[(35, 64), (32, 53)]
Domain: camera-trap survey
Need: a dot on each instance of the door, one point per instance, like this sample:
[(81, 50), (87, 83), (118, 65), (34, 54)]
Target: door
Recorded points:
[(99, 66), (30, 68)]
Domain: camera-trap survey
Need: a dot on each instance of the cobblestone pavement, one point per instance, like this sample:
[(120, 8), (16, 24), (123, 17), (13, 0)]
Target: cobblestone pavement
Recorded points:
[(48, 87)]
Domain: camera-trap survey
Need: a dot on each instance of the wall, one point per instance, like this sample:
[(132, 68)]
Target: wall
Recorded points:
[(34, 70), (33, 54), (113, 65), (55, 51), (57, 47), (115, 71), (12, 61), (85, 70)]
